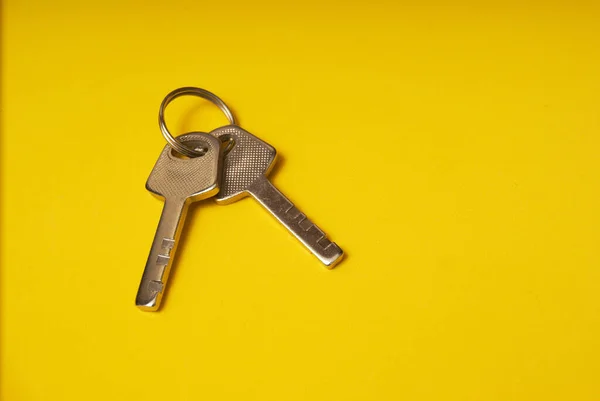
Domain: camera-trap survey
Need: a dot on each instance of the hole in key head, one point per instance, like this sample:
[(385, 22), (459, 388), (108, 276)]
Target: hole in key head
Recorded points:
[(198, 146), (227, 143)]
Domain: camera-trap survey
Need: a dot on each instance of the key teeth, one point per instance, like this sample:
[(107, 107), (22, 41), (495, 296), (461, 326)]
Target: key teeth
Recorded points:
[(308, 226), (324, 242), (305, 223), (296, 222), (162, 260), (167, 245), (293, 212), (155, 287)]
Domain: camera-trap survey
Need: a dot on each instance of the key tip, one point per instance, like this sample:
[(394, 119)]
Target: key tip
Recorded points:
[(151, 305), (335, 259)]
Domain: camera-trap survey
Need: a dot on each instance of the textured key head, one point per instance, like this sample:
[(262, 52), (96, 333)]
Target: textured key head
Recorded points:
[(247, 159), (178, 177)]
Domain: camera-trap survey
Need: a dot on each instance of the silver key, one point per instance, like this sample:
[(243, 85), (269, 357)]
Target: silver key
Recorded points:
[(248, 161), (179, 181)]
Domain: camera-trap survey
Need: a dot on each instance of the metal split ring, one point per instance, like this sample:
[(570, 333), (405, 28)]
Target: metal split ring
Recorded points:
[(203, 93)]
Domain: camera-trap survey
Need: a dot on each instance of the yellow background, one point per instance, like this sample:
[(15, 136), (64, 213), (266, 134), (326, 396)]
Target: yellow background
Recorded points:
[(451, 150)]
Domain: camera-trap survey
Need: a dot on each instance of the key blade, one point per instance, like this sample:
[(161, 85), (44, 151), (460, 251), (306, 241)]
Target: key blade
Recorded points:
[(329, 253), (158, 265), (179, 181)]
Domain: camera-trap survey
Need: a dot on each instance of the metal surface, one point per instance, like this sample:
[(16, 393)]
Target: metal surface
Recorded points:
[(179, 181), (189, 91), (245, 169), (305, 230)]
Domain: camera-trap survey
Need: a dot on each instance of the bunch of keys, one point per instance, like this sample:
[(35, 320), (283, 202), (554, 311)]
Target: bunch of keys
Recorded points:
[(228, 164)]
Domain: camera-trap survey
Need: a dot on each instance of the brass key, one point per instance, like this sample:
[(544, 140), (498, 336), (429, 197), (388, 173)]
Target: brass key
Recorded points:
[(179, 181)]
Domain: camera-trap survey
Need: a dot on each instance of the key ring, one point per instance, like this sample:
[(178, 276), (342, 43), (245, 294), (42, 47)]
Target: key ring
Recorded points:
[(203, 93)]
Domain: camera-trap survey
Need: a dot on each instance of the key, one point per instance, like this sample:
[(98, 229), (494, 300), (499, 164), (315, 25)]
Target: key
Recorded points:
[(248, 160), (179, 181)]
